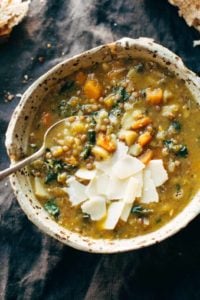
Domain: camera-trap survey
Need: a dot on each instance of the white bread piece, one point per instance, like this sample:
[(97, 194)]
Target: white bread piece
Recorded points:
[(189, 10), (11, 13)]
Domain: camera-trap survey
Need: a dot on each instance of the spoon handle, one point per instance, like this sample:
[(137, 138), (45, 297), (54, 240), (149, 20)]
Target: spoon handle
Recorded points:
[(21, 163)]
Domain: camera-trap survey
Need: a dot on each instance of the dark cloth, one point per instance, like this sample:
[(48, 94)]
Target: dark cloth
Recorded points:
[(35, 266)]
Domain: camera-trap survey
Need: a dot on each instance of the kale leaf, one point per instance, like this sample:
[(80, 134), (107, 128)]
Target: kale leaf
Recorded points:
[(51, 207)]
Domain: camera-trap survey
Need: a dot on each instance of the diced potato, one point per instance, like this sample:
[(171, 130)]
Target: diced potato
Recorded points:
[(170, 111), (145, 138), (129, 136), (78, 127), (92, 89), (105, 66), (56, 151), (155, 96), (40, 190), (62, 177), (100, 153), (109, 100), (141, 123), (131, 73), (135, 150), (161, 135), (167, 95), (129, 117)]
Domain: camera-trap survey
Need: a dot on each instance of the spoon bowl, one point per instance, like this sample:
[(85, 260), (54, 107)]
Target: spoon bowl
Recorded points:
[(48, 136)]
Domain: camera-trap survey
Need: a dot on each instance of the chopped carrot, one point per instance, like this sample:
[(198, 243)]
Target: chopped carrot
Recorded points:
[(141, 123), (144, 138), (81, 78), (154, 97), (106, 143), (46, 119), (146, 156), (92, 89)]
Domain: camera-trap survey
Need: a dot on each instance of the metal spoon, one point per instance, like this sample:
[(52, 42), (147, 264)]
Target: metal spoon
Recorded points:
[(49, 134)]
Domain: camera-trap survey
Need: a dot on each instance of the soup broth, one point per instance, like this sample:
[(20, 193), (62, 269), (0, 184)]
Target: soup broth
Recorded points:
[(136, 103)]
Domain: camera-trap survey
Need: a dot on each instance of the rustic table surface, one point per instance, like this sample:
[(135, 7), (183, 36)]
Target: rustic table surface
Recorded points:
[(33, 265)]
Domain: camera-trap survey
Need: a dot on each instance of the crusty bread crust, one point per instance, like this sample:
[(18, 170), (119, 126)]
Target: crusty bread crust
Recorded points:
[(11, 13), (189, 10)]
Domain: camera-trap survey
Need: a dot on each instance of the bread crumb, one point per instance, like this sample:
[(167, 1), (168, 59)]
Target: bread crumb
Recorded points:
[(196, 43)]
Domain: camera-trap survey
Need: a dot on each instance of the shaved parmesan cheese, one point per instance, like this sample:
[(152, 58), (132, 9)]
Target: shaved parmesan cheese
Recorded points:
[(102, 184), (121, 151), (76, 191), (116, 182), (91, 188), (95, 207), (139, 177), (113, 214), (86, 174), (129, 197), (127, 166), (106, 165), (116, 188), (131, 190), (126, 212), (158, 172), (149, 193)]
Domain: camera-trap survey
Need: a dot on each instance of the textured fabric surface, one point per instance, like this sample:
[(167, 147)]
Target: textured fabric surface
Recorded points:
[(33, 265)]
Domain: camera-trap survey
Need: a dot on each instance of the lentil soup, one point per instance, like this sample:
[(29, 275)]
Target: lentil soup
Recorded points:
[(128, 105)]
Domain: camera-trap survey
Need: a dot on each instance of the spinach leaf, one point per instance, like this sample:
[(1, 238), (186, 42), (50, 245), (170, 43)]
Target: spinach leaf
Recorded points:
[(54, 167), (141, 211), (168, 144), (178, 150), (182, 152), (124, 95), (176, 125), (51, 207), (66, 110), (67, 86), (139, 68), (91, 135), (178, 187), (50, 177), (86, 151), (158, 220)]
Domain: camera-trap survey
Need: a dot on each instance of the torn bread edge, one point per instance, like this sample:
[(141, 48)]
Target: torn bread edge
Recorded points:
[(11, 13), (189, 10)]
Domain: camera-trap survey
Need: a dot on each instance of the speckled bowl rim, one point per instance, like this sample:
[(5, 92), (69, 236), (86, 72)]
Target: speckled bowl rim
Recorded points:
[(21, 187)]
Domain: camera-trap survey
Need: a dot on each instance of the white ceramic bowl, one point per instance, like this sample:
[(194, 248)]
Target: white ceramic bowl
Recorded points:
[(18, 131)]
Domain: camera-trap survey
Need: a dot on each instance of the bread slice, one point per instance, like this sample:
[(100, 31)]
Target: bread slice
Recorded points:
[(11, 13), (189, 10)]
